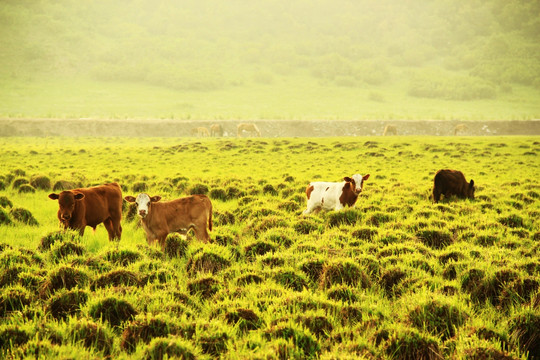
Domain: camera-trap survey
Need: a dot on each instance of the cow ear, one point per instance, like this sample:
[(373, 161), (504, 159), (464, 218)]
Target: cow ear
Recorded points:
[(129, 198), (79, 196), (54, 196), (471, 184), (347, 179), (155, 198), (365, 177)]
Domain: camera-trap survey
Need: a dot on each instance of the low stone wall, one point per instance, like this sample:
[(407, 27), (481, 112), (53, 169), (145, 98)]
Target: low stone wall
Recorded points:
[(268, 128)]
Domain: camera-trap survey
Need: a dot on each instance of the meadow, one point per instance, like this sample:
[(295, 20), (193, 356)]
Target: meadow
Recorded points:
[(396, 277)]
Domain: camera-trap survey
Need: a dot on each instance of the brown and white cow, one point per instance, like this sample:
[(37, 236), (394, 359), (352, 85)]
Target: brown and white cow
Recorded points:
[(452, 182), (82, 207), (334, 195), (162, 218)]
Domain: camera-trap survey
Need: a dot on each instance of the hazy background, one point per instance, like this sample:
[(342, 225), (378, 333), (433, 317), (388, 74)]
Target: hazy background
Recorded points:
[(271, 59)]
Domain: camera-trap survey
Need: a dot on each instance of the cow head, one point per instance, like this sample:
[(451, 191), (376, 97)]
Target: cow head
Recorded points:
[(66, 201), (356, 182), (470, 190), (143, 202)]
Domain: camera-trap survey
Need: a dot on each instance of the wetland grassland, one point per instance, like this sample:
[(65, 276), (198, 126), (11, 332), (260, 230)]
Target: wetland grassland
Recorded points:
[(396, 277)]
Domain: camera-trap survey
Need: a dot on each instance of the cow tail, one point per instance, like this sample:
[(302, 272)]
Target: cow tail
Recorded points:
[(210, 218)]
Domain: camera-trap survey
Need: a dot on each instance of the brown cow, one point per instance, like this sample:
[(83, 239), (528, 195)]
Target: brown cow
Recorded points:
[(216, 130), (460, 128), (162, 218), (247, 128), (452, 182), (84, 207), (389, 130)]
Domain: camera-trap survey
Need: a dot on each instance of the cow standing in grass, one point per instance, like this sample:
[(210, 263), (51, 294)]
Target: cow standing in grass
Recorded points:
[(452, 182), (334, 195), (82, 207), (162, 218), (248, 128)]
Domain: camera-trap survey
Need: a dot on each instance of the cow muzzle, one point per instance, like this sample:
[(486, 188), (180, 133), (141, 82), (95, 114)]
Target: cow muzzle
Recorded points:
[(142, 213), (66, 217)]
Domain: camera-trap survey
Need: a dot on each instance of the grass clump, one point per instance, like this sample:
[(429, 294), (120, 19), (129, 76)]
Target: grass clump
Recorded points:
[(12, 336), (26, 189), (344, 217), (198, 189), (122, 257), (63, 277), (208, 261), (171, 348), (259, 248), (118, 277), (307, 345), (290, 279), (144, 329), (313, 268), (440, 319), (64, 249), (48, 240), (525, 330), (24, 216), (62, 185), (244, 319), (66, 302), (114, 311), (317, 324), (205, 287), (406, 344), (344, 272), (5, 202), (4, 218), (175, 246), (436, 239), (92, 336), (41, 182), (14, 299)]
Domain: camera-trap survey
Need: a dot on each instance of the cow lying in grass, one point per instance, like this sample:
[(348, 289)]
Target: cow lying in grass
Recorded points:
[(82, 207), (162, 218), (334, 195)]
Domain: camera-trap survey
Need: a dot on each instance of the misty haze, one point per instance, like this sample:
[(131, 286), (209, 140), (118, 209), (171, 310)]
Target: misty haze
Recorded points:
[(270, 60)]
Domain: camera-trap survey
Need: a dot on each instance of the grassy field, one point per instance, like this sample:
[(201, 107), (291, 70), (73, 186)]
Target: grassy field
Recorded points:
[(397, 277), (292, 97)]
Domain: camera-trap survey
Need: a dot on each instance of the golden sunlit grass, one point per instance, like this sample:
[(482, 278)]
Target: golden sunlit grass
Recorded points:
[(396, 277)]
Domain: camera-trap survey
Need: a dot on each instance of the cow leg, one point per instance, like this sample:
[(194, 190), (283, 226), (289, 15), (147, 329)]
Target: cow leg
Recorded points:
[(436, 195), (117, 228), (311, 205), (110, 229), (201, 233)]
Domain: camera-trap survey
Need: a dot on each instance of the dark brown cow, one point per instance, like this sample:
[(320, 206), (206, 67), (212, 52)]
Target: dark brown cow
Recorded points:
[(452, 182), (162, 218), (84, 207)]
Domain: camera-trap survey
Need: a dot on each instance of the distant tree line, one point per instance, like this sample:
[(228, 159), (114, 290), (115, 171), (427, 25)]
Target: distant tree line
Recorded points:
[(445, 49)]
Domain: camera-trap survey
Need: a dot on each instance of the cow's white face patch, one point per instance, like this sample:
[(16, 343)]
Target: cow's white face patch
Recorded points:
[(358, 179), (143, 204)]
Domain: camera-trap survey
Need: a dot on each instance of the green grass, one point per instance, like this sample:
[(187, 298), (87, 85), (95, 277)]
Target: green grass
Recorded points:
[(297, 97), (397, 277)]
